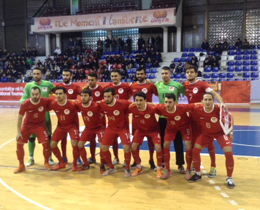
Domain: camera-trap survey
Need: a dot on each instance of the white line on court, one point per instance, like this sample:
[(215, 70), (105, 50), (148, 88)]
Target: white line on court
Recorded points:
[(224, 195), (246, 145), (17, 193), (217, 188)]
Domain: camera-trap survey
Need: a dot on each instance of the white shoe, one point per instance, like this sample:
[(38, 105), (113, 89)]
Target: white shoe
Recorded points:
[(115, 161), (109, 171), (51, 162), (30, 162)]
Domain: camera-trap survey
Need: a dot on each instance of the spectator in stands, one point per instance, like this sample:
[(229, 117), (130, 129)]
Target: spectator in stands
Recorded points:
[(134, 78), (79, 43), (131, 63), (34, 52), (172, 66), (217, 43), (194, 63), (71, 43), (14, 75), (127, 49), (118, 42), (23, 79), (107, 44), (151, 41), (207, 61), (114, 44), (138, 58), (99, 42), (29, 52), (4, 78), (195, 58), (129, 42), (178, 68), (218, 49), (211, 49), (57, 51), (29, 62), (57, 70), (238, 44), (225, 45), (140, 42), (99, 51), (245, 44), (158, 56), (214, 62), (205, 45), (89, 50), (143, 48), (159, 42), (48, 74), (1, 53)]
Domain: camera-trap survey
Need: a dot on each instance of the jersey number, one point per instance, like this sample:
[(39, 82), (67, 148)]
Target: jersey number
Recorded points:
[(208, 125), (62, 117)]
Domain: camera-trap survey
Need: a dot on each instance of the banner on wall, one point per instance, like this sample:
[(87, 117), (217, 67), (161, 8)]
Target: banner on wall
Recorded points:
[(133, 19)]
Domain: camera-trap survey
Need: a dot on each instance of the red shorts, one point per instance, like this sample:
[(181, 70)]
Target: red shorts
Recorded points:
[(111, 134), (139, 136), (223, 140), (134, 126), (39, 131), (196, 130), (171, 134), (88, 135), (61, 131)]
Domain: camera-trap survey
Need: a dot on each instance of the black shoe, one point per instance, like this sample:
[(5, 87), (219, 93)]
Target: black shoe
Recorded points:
[(152, 165), (230, 183), (91, 161), (195, 178), (133, 165)]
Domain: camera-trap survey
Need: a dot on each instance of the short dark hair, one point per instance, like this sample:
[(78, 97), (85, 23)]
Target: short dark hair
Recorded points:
[(166, 68), (141, 69), (86, 91), (67, 70), (207, 94), (36, 68), (141, 94), (93, 74), (112, 90), (61, 88), (188, 67), (116, 71), (36, 88), (170, 96)]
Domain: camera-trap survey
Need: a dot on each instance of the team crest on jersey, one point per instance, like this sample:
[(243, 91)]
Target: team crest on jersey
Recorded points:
[(44, 89), (40, 109), (177, 118), (144, 90), (116, 112), (147, 116), (66, 111), (120, 90), (214, 119), (70, 91), (171, 89), (195, 90), (97, 93), (90, 114)]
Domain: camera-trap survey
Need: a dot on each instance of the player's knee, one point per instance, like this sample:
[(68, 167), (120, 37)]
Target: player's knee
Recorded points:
[(32, 139), (166, 144), (158, 147), (104, 148), (53, 144), (188, 145), (227, 149), (134, 147), (81, 145), (126, 148)]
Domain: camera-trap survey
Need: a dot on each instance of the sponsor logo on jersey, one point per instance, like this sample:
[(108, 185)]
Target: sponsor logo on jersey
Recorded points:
[(40, 109), (147, 116), (97, 93), (30, 111), (214, 119), (90, 114), (177, 118), (172, 122), (70, 91), (195, 90), (144, 90), (116, 112), (66, 111), (136, 115), (120, 90), (201, 118), (171, 89), (44, 89)]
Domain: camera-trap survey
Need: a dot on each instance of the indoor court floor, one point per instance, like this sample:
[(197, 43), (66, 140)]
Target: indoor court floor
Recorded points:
[(40, 189)]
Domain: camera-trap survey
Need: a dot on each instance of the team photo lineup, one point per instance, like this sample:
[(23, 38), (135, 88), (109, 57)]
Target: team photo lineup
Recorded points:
[(107, 111)]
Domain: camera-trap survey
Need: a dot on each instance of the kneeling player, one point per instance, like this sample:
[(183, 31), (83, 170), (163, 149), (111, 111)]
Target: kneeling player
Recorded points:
[(211, 128)]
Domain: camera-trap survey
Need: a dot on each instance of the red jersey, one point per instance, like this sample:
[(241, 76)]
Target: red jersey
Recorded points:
[(73, 90), (196, 90), (179, 119), (91, 115), (65, 113), (145, 120), (35, 113), (209, 121), (148, 88), (122, 90), (117, 115), (97, 93)]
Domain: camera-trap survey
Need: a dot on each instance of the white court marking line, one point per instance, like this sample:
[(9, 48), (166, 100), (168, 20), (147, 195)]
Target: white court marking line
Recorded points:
[(211, 182), (224, 195), (246, 130), (246, 145), (234, 203), (17, 193), (217, 188)]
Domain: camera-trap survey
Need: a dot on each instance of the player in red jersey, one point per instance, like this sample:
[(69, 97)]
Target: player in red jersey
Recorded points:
[(73, 90), (116, 111), (97, 95), (149, 89), (195, 89), (147, 126), (67, 123), (94, 126), (122, 91), (34, 122), (211, 129), (177, 120)]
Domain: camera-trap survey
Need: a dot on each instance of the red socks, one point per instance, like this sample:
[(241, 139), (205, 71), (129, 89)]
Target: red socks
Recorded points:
[(46, 151), (107, 157), (75, 152), (20, 153), (127, 160), (229, 163), (83, 155), (92, 147), (115, 148), (196, 158), (102, 160), (136, 156), (159, 158), (64, 146), (166, 157), (212, 154), (57, 154), (188, 158), (151, 148)]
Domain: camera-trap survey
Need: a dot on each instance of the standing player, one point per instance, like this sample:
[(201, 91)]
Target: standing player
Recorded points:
[(169, 86), (118, 126), (147, 126), (177, 120), (34, 122), (211, 129), (149, 89), (73, 90), (195, 89), (94, 126), (122, 91), (66, 111), (46, 88)]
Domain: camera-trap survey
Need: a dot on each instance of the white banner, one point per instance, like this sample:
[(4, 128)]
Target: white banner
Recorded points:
[(117, 20)]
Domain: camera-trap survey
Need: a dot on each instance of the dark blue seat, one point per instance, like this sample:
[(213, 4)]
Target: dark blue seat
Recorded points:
[(215, 69), (246, 68), (254, 68), (238, 69), (230, 69), (207, 69), (230, 75)]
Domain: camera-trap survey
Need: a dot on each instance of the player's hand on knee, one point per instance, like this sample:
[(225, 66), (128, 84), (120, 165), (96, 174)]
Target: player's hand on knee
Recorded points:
[(231, 136), (19, 135)]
